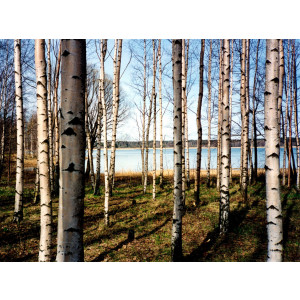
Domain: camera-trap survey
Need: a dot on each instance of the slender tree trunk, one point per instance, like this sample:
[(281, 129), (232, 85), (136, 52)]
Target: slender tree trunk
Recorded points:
[(183, 98), (225, 143), (161, 174), (290, 119), (144, 115), (296, 125), (116, 101), (154, 140), (281, 77), (219, 118), (254, 106), (103, 48), (43, 152), (286, 115), (177, 134), (98, 160), (3, 144), (209, 115), (272, 148), (253, 167), (18, 211), (72, 152), (149, 122), (245, 122), (186, 133), (10, 142), (199, 126), (230, 111), (89, 142), (154, 149), (50, 118), (36, 184), (55, 98)]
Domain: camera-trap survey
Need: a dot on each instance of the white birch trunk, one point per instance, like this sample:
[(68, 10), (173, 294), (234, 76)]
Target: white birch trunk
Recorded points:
[(116, 101), (219, 118), (177, 134), (183, 99), (209, 115), (160, 118), (225, 142), (272, 148), (103, 48), (50, 118), (72, 152), (186, 133), (18, 211), (230, 110), (149, 122), (55, 98), (199, 126), (43, 152)]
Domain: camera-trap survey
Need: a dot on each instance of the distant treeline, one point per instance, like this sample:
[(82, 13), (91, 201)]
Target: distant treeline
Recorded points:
[(192, 143)]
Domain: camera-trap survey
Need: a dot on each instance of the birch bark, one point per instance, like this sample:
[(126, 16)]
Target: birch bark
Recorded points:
[(176, 248), (209, 115), (272, 148), (225, 142), (72, 152), (43, 152), (161, 174), (116, 101), (199, 126), (18, 211)]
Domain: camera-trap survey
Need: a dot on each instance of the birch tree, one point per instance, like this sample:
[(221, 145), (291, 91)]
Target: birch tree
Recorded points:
[(286, 114), (209, 115), (56, 125), (186, 128), (296, 125), (161, 173), (18, 211), (245, 122), (72, 152), (49, 104), (149, 119), (290, 118), (103, 48), (154, 140), (43, 152), (199, 126), (177, 135), (154, 149), (219, 117), (272, 148), (183, 99), (225, 142), (116, 101)]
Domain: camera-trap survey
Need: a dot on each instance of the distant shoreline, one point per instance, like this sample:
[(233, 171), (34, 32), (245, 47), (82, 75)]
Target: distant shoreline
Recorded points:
[(157, 149)]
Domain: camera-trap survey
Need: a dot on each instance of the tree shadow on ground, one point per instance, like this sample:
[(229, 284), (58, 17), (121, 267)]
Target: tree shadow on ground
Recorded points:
[(214, 240), (102, 255)]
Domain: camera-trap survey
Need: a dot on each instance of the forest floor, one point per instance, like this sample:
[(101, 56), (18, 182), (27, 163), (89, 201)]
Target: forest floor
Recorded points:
[(151, 221)]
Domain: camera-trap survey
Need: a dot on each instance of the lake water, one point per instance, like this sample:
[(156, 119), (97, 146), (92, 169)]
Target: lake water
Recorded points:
[(130, 159)]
